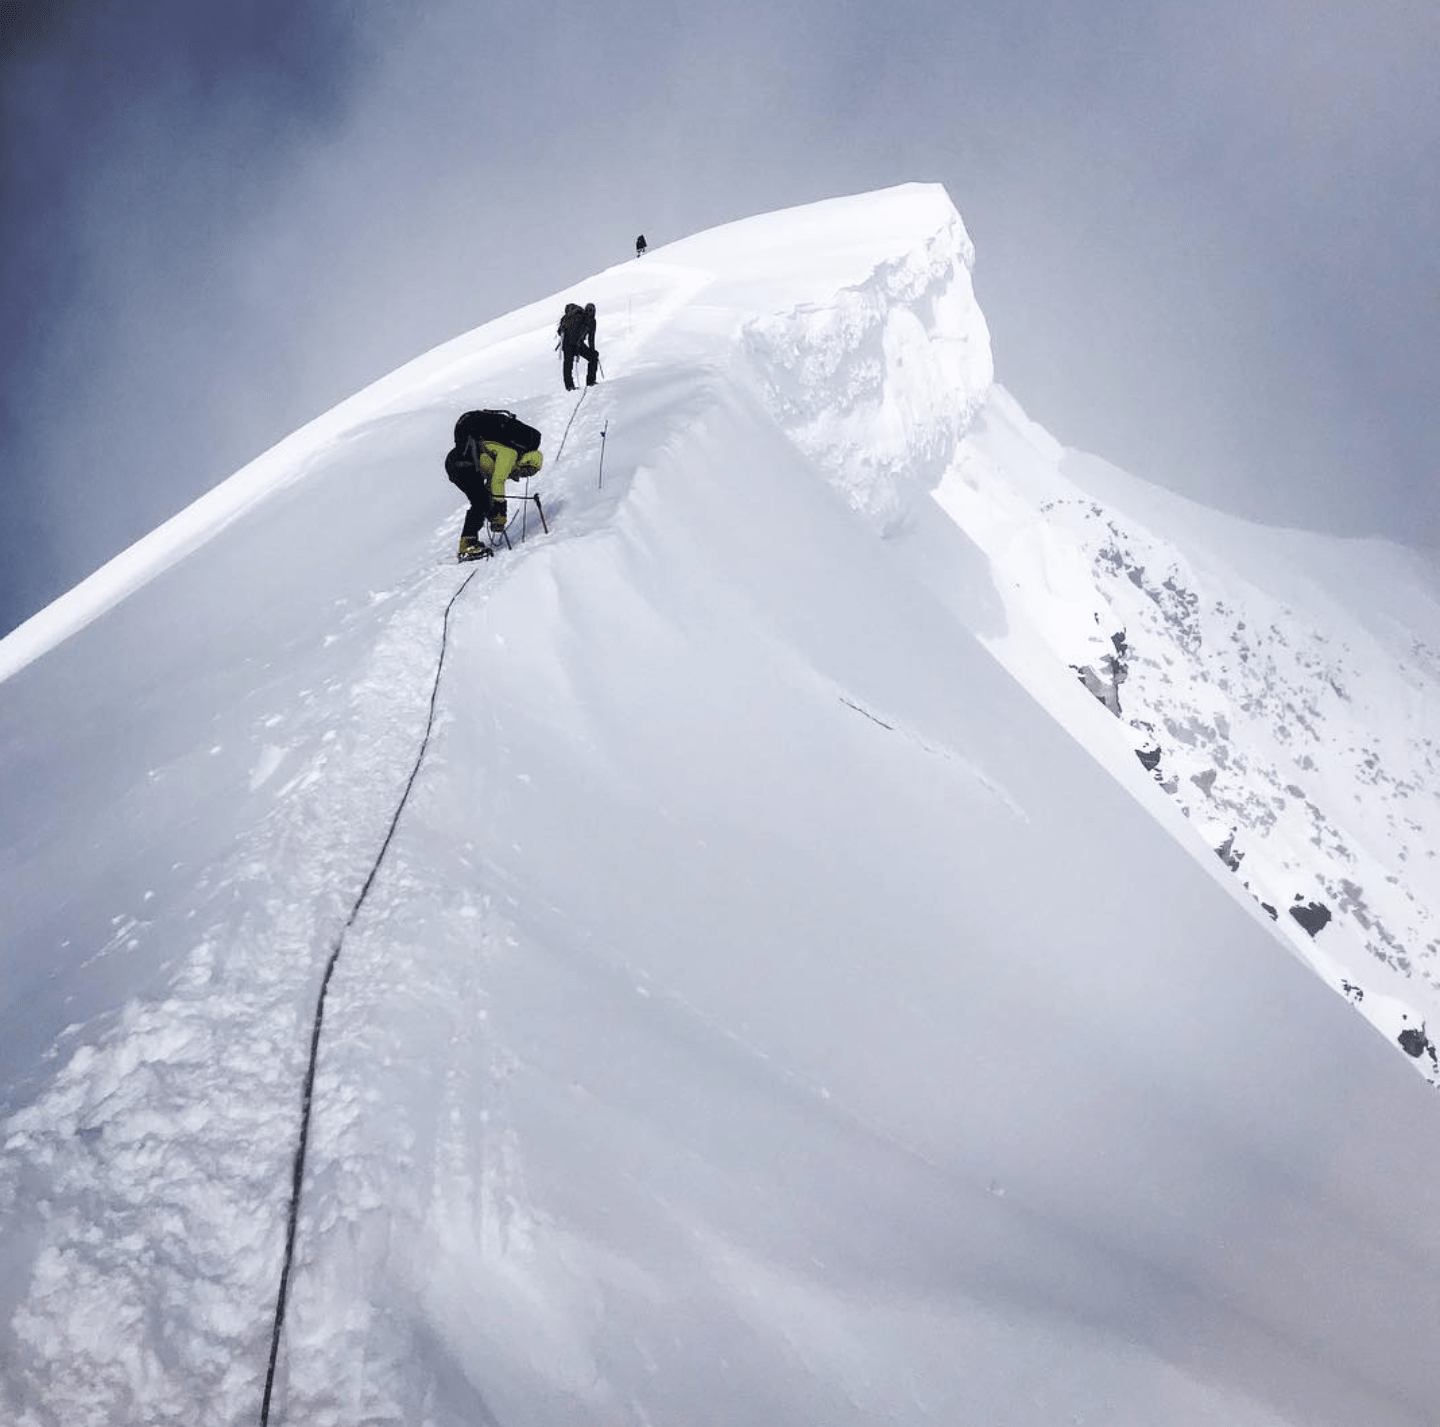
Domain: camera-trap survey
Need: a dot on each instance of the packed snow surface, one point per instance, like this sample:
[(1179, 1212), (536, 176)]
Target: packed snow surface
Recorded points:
[(783, 996)]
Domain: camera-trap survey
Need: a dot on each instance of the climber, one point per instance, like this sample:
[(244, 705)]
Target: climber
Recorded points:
[(491, 447), (576, 338)]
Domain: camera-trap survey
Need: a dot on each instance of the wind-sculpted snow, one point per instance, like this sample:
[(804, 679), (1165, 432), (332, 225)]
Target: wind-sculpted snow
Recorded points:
[(879, 383), (766, 1009), (160, 1153), (1271, 683)]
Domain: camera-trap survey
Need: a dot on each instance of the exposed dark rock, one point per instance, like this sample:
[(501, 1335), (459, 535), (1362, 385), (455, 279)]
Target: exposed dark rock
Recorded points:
[(1204, 781), (1149, 758), (1274, 915), (1232, 859), (1313, 916), (1189, 733), (1415, 1042), (1106, 686)]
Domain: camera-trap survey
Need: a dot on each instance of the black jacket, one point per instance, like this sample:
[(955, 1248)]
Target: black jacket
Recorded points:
[(577, 329)]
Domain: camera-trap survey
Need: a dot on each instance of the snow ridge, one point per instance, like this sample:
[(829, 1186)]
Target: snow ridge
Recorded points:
[(161, 1149), (879, 384), (775, 1004), (1295, 736)]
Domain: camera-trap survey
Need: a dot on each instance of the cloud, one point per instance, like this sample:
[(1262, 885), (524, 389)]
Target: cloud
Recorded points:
[(1207, 241), (1206, 238), (138, 143)]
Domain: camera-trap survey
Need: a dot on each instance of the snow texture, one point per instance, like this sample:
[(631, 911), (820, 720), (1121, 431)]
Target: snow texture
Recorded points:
[(785, 997)]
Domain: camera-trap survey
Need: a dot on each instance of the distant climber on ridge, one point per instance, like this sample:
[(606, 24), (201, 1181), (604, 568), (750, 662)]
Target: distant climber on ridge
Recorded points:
[(490, 448), (640, 246), (575, 336)]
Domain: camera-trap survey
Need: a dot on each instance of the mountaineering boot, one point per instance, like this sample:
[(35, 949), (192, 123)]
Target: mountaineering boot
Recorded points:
[(471, 549)]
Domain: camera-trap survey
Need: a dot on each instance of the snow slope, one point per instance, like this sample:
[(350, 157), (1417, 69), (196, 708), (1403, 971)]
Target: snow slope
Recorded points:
[(1282, 687), (767, 1007)]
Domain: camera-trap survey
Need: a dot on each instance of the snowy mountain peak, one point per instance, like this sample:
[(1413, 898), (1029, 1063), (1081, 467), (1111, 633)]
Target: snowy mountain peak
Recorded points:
[(749, 977), (1280, 687)]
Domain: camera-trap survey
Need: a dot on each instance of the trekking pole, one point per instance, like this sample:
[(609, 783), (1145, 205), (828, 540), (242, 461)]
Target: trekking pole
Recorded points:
[(525, 513), (603, 430)]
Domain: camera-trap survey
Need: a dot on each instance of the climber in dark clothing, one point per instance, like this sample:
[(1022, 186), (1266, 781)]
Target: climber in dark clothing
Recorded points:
[(576, 334), (640, 246)]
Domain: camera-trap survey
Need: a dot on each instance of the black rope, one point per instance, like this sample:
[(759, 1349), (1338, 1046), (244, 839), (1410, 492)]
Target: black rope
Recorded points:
[(307, 1095), (566, 436)]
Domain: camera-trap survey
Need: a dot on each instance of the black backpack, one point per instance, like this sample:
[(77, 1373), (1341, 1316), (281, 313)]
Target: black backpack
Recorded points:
[(572, 324), (502, 426)]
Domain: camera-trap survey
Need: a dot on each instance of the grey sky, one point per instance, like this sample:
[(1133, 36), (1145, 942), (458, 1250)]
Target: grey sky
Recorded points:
[(1207, 235)]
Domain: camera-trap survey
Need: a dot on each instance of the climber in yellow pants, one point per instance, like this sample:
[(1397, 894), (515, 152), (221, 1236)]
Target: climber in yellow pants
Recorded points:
[(480, 467), (501, 464)]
